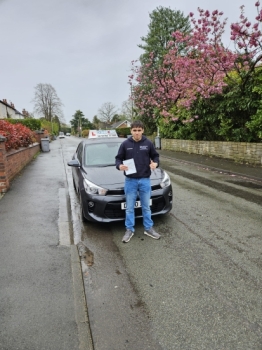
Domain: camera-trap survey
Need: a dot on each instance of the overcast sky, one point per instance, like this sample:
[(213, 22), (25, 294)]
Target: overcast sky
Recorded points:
[(83, 48)]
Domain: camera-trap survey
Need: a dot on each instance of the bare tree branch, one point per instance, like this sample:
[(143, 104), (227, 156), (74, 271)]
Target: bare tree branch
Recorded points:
[(128, 109), (107, 111), (47, 102)]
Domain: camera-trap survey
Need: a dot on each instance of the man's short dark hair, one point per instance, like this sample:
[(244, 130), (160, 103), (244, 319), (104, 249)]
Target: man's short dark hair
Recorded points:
[(137, 124)]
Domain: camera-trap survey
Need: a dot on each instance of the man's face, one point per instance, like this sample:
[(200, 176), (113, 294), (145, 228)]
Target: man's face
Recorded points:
[(137, 133)]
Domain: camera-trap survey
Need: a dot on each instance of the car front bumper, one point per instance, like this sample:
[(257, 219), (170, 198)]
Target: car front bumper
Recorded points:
[(108, 208)]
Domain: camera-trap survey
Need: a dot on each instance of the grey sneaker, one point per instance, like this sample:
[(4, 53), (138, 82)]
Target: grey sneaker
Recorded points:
[(128, 235), (152, 233)]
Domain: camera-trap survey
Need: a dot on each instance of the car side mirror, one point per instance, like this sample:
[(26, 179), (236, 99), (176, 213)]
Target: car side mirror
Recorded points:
[(75, 163)]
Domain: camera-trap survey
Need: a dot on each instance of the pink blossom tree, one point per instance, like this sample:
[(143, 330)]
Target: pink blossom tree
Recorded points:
[(203, 69)]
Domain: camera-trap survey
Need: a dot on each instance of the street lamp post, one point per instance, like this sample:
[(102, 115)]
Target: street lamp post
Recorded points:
[(132, 103)]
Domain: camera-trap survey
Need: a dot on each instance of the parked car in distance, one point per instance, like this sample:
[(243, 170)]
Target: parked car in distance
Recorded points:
[(100, 185), (61, 135), (68, 134)]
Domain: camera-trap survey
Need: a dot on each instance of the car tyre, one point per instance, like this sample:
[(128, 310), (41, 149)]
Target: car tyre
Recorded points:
[(84, 219)]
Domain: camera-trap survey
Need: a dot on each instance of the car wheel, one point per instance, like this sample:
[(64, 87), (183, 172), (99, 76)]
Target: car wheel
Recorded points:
[(81, 209)]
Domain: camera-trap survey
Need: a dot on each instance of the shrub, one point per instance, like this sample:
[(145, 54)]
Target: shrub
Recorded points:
[(32, 124), (50, 127), (123, 131), (85, 133), (17, 135)]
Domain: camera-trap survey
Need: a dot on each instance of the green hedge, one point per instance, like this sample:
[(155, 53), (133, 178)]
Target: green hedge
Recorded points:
[(123, 131), (65, 129), (32, 124)]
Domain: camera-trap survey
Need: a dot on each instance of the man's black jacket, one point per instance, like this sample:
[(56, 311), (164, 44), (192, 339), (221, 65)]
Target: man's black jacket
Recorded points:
[(142, 152)]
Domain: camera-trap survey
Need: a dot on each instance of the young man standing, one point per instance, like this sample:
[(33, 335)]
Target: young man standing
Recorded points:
[(137, 157)]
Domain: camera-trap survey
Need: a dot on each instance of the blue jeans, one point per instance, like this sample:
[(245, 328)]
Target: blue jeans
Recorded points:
[(132, 188)]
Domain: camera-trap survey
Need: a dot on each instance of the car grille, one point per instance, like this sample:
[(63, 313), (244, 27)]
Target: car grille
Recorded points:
[(113, 210), (120, 192), (115, 192), (155, 187)]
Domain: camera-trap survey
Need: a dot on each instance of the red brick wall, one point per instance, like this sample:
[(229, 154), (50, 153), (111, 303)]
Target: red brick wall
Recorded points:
[(12, 162), (38, 137), (4, 181)]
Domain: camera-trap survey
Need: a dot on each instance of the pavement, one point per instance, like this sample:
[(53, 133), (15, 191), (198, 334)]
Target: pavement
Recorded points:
[(42, 299), (215, 163)]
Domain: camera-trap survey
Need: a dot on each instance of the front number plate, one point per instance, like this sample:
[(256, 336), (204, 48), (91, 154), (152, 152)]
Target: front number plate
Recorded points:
[(137, 204)]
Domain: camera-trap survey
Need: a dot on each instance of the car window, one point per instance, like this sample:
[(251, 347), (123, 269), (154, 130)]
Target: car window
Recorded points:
[(101, 154)]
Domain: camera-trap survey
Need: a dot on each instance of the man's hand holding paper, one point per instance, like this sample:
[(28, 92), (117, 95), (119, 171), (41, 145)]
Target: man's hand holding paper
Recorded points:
[(130, 164)]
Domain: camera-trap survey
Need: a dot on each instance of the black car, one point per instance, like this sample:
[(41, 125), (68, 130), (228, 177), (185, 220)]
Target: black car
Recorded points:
[(100, 185)]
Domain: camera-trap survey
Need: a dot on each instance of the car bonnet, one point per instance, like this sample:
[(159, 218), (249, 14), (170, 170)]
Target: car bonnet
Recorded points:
[(109, 177)]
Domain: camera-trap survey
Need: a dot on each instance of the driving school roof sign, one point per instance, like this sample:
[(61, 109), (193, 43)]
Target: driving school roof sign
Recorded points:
[(94, 134)]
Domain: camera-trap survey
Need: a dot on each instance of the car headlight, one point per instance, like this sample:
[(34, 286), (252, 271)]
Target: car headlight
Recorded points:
[(91, 188), (166, 180)]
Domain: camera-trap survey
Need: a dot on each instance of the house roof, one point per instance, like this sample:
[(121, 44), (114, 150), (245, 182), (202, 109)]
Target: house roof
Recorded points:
[(117, 124), (4, 102)]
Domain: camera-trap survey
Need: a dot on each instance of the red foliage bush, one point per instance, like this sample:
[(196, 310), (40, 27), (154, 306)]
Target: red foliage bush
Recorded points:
[(17, 135)]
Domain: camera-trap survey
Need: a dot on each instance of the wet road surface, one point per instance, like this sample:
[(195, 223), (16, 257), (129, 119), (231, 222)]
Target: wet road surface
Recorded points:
[(199, 287)]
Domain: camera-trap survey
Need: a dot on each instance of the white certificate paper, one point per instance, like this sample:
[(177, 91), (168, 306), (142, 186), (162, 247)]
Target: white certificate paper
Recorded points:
[(131, 166)]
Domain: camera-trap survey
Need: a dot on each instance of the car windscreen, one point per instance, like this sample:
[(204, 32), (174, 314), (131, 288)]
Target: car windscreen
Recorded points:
[(101, 154)]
